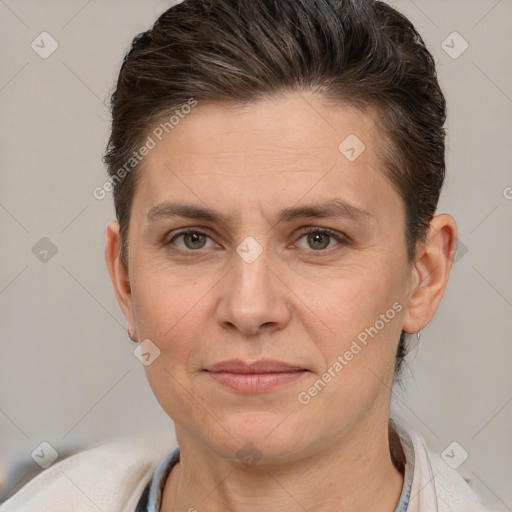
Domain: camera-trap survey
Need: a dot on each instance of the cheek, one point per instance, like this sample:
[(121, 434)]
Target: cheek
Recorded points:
[(361, 316), (169, 312), (364, 324), (353, 300), (165, 300)]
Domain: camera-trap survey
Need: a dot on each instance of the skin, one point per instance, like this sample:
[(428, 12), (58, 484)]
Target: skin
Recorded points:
[(298, 303)]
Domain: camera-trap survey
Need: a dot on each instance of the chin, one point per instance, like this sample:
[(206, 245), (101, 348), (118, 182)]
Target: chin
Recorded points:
[(260, 435)]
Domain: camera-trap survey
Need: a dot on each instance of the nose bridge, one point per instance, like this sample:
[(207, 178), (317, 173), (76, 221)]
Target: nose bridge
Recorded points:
[(250, 275), (252, 294)]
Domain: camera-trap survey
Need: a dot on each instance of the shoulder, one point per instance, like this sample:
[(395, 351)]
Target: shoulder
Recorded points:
[(110, 477), (437, 486)]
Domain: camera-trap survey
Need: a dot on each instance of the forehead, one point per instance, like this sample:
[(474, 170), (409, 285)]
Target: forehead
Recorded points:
[(287, 126), (272, 151)]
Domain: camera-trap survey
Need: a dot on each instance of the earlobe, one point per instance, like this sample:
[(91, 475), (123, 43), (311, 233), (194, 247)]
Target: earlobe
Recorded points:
[(430, 272), (118, 272)]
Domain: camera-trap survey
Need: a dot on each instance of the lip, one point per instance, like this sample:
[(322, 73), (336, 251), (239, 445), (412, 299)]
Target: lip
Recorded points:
[(254, 377), (261, 366)]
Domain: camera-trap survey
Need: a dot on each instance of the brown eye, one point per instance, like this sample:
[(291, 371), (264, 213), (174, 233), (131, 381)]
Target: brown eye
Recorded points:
[(190, 240), (194, 240), (318, 241)]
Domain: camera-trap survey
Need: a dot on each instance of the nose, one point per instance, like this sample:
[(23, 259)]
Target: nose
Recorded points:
[(254, 299)]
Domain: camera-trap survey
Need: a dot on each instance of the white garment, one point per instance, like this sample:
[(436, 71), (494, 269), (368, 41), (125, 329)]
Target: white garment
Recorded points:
[(436, 487), (112, 477), (109, 478)]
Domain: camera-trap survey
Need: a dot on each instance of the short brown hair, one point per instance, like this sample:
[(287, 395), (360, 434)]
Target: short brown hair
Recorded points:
[(359, 52)]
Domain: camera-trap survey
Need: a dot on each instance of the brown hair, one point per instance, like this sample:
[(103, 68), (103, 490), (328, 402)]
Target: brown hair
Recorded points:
[(359, 52)]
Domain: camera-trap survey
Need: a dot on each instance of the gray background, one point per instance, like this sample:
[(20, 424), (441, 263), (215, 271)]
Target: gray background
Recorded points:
[(68, 373)]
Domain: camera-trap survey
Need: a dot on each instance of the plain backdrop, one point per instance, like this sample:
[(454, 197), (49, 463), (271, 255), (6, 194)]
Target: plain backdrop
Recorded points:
[(67, 369)]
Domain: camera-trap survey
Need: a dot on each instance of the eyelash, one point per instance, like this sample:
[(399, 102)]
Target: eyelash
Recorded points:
[(341, 239)]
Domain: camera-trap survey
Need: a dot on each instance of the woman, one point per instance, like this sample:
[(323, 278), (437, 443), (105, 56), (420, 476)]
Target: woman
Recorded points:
[(276, 169)]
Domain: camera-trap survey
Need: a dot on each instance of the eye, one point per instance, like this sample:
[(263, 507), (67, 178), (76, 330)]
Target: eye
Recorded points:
[(319, 239), (191, 240), (316, 239)]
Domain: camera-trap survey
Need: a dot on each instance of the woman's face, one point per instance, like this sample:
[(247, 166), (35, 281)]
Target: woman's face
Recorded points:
[(247, 282)]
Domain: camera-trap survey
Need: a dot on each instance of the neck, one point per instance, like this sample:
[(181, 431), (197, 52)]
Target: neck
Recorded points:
[(356, 473)]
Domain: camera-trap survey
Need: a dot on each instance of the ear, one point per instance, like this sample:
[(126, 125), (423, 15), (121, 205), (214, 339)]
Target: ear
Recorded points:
[(430, 272), (119, 273)]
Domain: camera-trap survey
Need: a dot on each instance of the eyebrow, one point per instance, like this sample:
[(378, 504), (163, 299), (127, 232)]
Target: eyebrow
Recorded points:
[(335, 208)]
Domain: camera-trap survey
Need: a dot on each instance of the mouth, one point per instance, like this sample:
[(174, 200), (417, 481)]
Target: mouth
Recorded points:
[(254, 377)]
